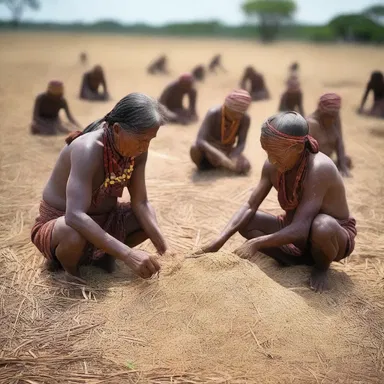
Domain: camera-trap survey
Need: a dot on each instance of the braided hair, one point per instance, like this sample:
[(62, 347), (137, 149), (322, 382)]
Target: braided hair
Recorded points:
[(136, 113)]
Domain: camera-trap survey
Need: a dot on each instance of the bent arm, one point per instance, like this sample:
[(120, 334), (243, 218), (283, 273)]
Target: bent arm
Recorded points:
[(69, 115), (365, 96), (192, 94), (36, 109), (104, 84), (141, 207), (340, 149), (84, 166), (248, 210), (165, 95), (242, 136), (243, 81)]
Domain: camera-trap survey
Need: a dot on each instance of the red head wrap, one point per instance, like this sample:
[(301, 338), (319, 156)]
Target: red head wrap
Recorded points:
[(330, 103), (238, 100)]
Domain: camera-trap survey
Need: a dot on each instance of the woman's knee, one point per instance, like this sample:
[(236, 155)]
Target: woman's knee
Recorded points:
[(327, 237), (65, 239)]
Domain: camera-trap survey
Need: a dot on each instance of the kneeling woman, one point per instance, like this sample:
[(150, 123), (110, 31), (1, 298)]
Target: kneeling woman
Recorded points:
[(222, 128), (316, 228), (46, 120), (80, 219), (91, 83)]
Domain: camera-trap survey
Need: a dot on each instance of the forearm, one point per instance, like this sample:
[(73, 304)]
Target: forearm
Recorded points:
[(224, 160), (290, 234), (94, 234), (238, 150), (146, 217), (238, 220)]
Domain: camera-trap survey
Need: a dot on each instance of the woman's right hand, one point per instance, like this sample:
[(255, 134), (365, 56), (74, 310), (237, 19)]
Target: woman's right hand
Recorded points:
[(143, 264)]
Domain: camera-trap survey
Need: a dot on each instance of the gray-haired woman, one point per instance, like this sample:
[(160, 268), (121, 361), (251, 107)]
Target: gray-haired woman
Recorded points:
[(80, 220)]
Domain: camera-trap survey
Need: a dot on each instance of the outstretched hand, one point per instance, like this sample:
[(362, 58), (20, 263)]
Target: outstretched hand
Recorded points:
[(212, 247)]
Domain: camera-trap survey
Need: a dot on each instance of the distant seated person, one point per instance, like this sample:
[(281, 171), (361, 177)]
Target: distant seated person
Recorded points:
[(172, 98), (223, 134), (216, 63), (376, 85), (253, 82), (46, 120), (90, 86), (292, 98), (294, 69), (199, 73), (83, 58), (325, 126), (158, 66)]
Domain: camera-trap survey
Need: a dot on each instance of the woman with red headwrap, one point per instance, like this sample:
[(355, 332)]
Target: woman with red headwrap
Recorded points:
[(172, 98), (92, 81), (325, 127), (222, 128), (46, 120), (316, 228)]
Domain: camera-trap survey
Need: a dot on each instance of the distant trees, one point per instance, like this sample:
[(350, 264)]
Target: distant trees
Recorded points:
[(357, 27), (17, 8), (271, 14), (376, 13)]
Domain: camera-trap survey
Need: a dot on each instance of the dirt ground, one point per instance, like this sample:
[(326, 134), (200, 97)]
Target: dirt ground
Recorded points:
[(217, 319)]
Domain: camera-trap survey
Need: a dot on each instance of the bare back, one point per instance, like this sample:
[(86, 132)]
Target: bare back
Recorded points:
[(173, 96)]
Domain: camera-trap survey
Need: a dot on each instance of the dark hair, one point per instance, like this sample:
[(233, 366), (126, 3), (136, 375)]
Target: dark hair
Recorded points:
[(376, 78), (290, 123), (135, 113)]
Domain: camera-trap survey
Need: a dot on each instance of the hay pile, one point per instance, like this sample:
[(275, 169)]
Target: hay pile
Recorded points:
[(216, 319)]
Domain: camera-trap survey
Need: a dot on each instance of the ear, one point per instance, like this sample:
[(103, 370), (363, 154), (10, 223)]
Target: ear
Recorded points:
[(116, 128)]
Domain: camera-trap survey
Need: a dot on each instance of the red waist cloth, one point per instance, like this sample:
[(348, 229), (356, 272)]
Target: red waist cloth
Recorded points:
[(348, 224), (114, 223)]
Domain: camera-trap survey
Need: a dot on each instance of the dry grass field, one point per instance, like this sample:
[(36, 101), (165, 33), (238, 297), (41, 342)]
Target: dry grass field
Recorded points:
[(216, 319)]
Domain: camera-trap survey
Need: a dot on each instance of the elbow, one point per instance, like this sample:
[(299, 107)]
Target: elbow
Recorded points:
[(200, 144), (73, 220)]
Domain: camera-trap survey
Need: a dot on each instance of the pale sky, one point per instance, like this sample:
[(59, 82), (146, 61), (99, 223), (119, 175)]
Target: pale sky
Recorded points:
[(159, 12)]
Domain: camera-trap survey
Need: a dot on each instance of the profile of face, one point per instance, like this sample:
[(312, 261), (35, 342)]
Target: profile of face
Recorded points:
[(233, 115), (283, 160), (132, 144)]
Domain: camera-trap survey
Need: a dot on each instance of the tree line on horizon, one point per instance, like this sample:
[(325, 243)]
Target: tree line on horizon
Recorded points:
[(268, 20)]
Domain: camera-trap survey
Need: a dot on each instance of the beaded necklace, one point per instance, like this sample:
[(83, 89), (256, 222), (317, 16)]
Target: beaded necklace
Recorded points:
[(230, 136)]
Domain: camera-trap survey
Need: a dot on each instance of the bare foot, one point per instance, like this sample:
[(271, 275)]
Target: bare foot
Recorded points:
[(319, 280)]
